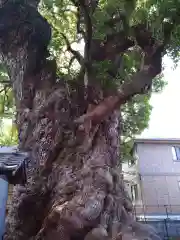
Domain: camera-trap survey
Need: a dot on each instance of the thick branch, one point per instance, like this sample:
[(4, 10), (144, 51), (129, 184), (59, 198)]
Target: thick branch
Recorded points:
[(112, 50), (23, 44), (84, 17), (138, 85), (87, 23), (33, 36), (147, 42), (75, 53), (141, 81), (107, 50)]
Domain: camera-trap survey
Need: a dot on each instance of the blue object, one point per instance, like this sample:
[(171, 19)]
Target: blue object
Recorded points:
[(3, 201)]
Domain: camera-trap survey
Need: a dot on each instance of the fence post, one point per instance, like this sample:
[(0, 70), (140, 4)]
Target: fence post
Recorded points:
[(166, 228)]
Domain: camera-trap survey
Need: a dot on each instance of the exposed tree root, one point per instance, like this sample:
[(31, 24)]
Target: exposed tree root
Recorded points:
[(83, 196)]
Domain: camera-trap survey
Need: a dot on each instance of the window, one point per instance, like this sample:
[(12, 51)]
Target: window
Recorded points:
[(179, 184), (134, 192), (176, 153)]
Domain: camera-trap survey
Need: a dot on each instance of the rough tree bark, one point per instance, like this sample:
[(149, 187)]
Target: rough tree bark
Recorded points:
[(74, 190)]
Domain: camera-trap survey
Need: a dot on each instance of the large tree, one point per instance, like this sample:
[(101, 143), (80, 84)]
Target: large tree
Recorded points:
[(69, 118)]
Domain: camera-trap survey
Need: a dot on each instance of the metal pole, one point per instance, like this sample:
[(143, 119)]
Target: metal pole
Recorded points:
[(142, 197), (167, 214), (166, 221), (166, 228), (3, 201)]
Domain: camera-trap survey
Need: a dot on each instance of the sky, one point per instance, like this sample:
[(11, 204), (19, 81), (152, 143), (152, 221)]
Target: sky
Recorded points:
[(165, 116)]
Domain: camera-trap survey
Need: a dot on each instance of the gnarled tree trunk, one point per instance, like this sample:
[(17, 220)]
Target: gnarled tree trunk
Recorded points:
[(74, 190)]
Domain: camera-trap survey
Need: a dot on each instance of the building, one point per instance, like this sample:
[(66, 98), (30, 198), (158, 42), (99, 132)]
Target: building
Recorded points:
[(153, 177)]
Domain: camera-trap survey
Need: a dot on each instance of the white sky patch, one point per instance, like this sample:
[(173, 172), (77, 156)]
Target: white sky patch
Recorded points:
[(165, 116)]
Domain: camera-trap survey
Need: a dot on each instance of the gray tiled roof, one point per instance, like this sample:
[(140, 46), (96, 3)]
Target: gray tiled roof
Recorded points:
[(12, 164)]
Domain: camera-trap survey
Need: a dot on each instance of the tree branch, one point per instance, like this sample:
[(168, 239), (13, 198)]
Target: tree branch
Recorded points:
[(88, 29), (140, 82), (84, 15), (138, 85), (168, 28), (107, 50), (147, 42), (75, 53)]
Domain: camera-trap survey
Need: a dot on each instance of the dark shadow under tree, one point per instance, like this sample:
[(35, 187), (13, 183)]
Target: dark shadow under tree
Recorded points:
[(72, 133)]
